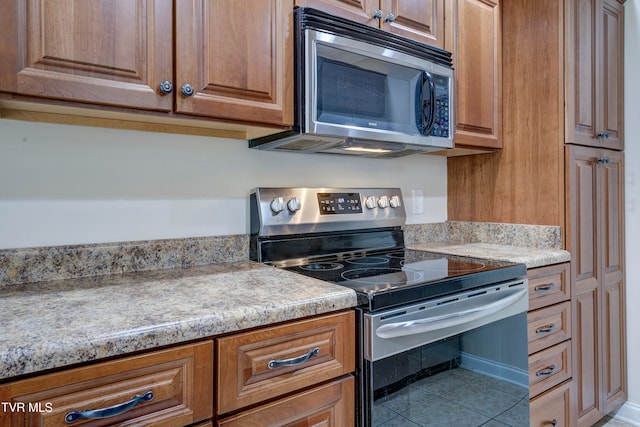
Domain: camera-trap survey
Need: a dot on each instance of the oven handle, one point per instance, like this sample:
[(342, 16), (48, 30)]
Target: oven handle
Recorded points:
[(414, 327)]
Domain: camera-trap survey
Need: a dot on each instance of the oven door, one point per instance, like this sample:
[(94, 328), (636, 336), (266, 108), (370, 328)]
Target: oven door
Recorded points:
[(460, 360)]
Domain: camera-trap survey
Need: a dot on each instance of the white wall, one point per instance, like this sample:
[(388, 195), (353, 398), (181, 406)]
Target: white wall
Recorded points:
[(64, 184), (631, 410)]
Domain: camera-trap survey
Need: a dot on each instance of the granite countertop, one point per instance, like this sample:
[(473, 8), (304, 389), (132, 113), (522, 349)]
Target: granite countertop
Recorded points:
[(59, 323), (531, 257)]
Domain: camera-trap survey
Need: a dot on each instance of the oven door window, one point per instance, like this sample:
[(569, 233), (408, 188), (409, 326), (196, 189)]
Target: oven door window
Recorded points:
[(467, 379)]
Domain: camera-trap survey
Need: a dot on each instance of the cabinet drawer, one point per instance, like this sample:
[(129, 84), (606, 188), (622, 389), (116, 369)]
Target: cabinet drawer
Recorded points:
[(548, 285), (249, 367), (548, 326), (330, 405), (552, 408), (177, 385), (550, 367)]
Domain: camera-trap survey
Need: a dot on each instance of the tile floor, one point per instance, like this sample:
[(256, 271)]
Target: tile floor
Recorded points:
[(458, 397)]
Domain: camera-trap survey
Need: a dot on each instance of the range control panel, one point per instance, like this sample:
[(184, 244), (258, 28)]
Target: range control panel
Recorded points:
[(306, 210), (339, 203)]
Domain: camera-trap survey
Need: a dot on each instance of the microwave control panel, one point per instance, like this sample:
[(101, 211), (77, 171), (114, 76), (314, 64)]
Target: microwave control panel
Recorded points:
[(441, 123)]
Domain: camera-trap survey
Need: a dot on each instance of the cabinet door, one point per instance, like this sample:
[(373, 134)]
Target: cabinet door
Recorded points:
[(610, 95), (237, 57), (420, 20), (611, 201), (478, 64), (595, 239), (356, 10), (94, 51), (582, 212), (595, 67)]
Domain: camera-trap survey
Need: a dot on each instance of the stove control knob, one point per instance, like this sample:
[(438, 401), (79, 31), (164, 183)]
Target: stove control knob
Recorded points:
[(395, 202), (383, 202), (293, 204), (370, 202), (277, 204)]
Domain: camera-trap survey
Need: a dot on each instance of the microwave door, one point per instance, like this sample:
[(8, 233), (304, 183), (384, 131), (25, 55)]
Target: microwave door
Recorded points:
[(363, 93)]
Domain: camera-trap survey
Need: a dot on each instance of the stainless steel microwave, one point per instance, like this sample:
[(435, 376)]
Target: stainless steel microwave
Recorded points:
[(363, 91)]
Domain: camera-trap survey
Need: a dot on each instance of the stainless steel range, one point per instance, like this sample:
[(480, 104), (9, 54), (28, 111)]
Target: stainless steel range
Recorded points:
[(442, 339)]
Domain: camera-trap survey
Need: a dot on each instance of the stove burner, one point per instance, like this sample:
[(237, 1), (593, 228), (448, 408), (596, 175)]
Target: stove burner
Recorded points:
[(322, 266), (398, 254), (369, 260), (382, 276)]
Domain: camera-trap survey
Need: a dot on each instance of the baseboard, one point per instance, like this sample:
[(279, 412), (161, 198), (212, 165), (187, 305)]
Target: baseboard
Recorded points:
[(495, 369), (629, 413)]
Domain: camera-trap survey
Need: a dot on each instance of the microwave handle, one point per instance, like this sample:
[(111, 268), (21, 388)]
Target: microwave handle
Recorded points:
[(427, 103)]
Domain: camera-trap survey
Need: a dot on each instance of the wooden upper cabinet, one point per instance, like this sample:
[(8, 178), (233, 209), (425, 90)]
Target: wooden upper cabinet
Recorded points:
[(419, 20), (478, 64), (237, 55), (94, 51), (595, 73), (355, 10)]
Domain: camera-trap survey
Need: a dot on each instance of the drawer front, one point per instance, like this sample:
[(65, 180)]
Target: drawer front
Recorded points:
[(330, 405), (548, 326), (548, 285), (550, 367), (173, 388), (264, 364), (552, 408)]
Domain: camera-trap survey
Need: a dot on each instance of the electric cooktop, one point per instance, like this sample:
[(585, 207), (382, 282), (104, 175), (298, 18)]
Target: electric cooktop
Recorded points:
[(389, 278)]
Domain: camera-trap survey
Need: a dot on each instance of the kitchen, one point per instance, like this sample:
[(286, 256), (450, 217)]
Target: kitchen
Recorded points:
[(81, 185)]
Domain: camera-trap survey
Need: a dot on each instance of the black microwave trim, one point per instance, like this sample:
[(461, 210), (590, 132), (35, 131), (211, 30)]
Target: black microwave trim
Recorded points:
[(313, 19)]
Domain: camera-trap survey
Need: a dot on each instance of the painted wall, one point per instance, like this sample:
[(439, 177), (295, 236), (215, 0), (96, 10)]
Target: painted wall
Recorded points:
[(64, 184), (631, 410)]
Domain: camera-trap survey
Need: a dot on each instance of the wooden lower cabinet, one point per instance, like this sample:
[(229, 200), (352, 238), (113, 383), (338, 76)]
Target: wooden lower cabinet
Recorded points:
[(549, 367), (550, 332), (552, 408), (261, 365), (595, 237), (171, 388), (330, 405)]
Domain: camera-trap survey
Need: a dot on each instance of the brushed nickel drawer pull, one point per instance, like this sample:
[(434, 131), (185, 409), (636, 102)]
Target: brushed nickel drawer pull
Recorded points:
[(295, 360), (546, 329), (546, 371), (110, 411), (546, 287)]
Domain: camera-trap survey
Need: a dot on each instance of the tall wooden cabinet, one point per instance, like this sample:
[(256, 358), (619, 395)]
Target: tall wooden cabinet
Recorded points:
[(596, 228), (420, 20), (222, 59)]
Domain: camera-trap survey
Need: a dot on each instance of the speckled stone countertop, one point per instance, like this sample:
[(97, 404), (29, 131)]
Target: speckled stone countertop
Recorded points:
[(531, 257), (59, 323)]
